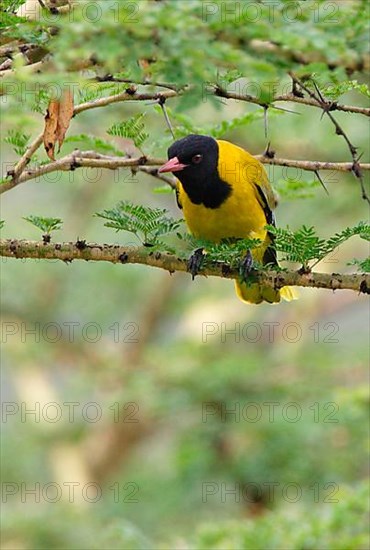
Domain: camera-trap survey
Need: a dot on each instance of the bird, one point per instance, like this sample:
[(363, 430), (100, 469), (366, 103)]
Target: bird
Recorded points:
[(224, 193)]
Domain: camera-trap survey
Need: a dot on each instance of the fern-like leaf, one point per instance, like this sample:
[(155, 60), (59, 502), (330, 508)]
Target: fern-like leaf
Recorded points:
[(18, 140), (230, 251), (305, 245), (47, 225), (95, 143), (146, 223), (362, 265), (133, 128)]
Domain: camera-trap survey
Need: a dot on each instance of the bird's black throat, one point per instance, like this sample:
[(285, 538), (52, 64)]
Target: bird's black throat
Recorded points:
[(210, 191)]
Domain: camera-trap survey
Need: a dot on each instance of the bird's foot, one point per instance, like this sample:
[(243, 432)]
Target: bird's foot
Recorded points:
[(246, 266), (195, 262)]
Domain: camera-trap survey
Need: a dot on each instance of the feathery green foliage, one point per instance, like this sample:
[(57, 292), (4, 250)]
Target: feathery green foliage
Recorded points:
[(19, 140), (293, 188), (47, 225), (96, 143), (305, 245), (7, 13), (362, 265), (335, 91), (133, 128), (228, 251), (147, 224)]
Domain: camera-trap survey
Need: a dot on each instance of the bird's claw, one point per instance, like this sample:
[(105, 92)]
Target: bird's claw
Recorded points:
[(246, 266), (195, 262)]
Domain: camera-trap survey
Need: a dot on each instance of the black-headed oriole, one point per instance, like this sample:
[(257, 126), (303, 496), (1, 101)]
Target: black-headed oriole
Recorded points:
[(225, 193)]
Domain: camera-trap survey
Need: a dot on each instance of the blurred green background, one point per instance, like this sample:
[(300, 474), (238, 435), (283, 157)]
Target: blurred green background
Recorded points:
[(168, 413)]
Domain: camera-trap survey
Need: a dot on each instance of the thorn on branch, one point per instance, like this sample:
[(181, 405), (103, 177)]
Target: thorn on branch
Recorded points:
[(123, 258), (161, 102), (80, 244), (356, 169), (131, 90), (269, 153), (364, 289), (321, 181)]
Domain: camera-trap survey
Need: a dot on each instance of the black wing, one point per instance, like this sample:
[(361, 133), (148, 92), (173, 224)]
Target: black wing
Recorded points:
[(269, 256)]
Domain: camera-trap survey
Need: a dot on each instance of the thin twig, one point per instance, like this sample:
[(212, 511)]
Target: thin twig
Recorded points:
[(152, 171), (356, 169), (68, 252), (333, 106), (166, 117), (128, 95), (111, 78)]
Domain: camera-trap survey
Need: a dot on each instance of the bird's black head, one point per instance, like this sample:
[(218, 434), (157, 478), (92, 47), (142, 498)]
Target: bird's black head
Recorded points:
[(194, 159)]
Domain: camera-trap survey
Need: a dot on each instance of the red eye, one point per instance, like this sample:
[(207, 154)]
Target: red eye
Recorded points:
[(197, 159)]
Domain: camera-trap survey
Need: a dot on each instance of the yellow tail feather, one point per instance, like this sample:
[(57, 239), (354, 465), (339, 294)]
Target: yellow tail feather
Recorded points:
[(255, 294)]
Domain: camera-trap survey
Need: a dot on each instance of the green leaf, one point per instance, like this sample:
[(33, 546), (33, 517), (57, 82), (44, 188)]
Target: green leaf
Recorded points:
[(133, 128), (94, 142), (229, 251), (163, 190), (146, 223), (292, 188), (18, 140), (334, 91), (363, 265), (11, 5), (304, 245), (47, 225)]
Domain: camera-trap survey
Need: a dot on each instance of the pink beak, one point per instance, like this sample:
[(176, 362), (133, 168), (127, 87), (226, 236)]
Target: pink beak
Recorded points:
[(172, 165)]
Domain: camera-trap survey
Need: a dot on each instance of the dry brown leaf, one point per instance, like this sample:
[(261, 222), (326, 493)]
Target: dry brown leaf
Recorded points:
[(51, 125), (65, 115), (57, 120)]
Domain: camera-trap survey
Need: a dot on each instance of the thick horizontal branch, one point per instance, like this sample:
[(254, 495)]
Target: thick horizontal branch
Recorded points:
[(78, 159), (68, 252), (91, 159)]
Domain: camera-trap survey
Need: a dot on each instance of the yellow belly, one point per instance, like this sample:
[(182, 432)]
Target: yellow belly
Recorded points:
[(240, 216)]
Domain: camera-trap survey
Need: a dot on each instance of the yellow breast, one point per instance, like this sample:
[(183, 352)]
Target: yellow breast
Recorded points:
[(241, 214)]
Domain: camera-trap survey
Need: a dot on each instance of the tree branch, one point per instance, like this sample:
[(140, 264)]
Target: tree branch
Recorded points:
[(129, 95), (91, 159), (79, 159), (68, 252), (94, 160), (333, 105), (325, 105)]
